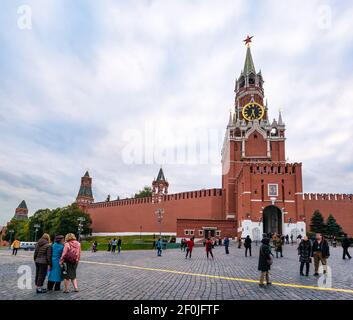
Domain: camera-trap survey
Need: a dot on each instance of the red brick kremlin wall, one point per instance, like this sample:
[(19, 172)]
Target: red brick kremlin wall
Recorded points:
[(340, 205), (129, 214)]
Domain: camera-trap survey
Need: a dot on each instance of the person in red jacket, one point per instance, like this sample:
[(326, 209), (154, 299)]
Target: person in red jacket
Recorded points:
[(209, 245), (190, 245)]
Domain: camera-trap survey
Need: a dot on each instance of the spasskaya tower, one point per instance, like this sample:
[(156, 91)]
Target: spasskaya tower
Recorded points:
[(263, 193)]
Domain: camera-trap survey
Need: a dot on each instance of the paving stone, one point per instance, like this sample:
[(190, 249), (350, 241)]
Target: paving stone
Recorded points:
[(109, 282)]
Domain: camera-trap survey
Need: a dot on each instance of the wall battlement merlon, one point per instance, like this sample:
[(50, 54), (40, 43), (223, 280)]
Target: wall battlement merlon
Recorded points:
[(204, 193), (271, 168), (328, 197)]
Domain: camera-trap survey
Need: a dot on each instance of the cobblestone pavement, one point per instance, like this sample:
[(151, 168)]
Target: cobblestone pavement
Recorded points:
[(143, 275)]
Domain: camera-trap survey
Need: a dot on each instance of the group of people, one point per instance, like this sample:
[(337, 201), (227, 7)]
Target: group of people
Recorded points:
[(317, 250), (188, 245), (58, 261), (113, 244)]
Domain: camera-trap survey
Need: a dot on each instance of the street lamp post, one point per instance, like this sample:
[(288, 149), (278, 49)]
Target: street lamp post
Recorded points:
[(160, 213), (36, 228), (80, 226), (11, 232)]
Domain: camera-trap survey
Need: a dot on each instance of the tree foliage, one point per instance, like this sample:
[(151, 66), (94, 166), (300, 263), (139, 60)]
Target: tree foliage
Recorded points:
[(54, 222), (317, 223), (332, 227), (146, 192)]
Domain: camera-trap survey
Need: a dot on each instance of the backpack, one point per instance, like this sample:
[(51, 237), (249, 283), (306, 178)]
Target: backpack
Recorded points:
[(70, 256)]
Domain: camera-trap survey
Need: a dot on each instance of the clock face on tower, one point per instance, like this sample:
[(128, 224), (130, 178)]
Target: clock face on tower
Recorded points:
[(253, 111)]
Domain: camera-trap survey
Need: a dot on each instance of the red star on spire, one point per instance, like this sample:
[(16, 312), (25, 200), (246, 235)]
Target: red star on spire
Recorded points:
[(248, 40)]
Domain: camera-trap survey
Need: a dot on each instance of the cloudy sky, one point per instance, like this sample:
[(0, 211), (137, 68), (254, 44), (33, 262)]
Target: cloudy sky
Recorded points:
[(116, 87)]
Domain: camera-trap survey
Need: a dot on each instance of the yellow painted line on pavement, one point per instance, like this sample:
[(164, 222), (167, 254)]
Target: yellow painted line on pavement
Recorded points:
[(291, 285), (280, 284)]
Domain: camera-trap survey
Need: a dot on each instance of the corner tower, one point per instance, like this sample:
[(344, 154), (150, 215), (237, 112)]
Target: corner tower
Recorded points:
[(85, 195), (21, 212)]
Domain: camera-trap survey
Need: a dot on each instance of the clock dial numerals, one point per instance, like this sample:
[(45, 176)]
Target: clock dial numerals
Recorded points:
[(253, 111)]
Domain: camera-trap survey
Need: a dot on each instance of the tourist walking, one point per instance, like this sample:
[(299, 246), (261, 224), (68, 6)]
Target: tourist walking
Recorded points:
[(42, 259), (239, 243), (119, 245), (159, 247), (320, 253), (209, 246), (265, 262), (277, 242), (299, 239), (226, 244), (114, 244), (15, 246), (69, 261), (189, 247), (291, 239), (94, 246), (304, 252), (287, 239), (345, 245), (110, 245), (182, 243), (334, 242), (247, 245), (55, 275)]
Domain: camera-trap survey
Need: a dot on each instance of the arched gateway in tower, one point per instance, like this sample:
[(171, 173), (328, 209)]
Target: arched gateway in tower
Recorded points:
[(272, 220)]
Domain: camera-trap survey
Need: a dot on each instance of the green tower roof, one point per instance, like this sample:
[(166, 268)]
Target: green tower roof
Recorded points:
[(22, 205), (249, 63), (160, 176)]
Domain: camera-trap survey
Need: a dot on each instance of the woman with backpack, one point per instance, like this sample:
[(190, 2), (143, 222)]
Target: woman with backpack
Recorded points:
[(265, 262), (209, 246), (69, 261)]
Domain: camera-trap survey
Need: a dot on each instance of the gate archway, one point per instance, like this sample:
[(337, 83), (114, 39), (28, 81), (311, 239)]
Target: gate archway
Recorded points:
[(272, 220)]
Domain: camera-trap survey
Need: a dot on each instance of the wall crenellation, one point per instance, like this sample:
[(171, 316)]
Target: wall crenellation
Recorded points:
[(273, 168), (176, 196), (328, 197)]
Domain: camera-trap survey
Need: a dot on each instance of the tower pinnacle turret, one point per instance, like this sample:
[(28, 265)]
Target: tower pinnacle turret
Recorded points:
[(159, 187)]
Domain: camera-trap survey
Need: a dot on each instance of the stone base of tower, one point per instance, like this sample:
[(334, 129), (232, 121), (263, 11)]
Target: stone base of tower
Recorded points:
[(255, 229)]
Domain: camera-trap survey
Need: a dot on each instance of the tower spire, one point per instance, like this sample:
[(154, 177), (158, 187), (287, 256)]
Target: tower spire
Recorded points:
[(249, 63)]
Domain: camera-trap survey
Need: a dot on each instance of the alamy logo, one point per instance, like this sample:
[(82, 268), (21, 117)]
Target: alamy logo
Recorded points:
[(25, 279), (24, 22), (325, 280)]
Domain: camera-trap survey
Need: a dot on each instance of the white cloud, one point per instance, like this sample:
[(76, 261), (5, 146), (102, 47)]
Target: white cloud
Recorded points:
[(171, 64)]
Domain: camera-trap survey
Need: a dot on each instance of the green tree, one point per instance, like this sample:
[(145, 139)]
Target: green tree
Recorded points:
[(20, 230), (332, 227), (146, 192), (317, 223), (54, 222), (41, 218), (67, 221)]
